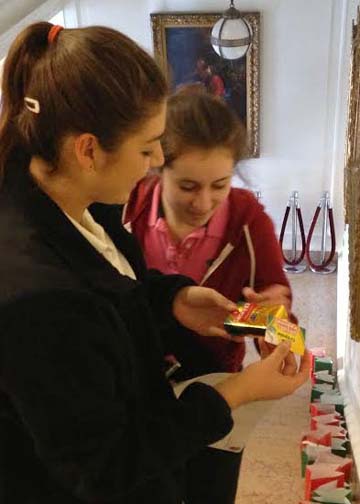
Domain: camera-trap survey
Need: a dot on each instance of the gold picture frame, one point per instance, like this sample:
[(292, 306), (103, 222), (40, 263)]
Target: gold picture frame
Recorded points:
[(182, 39), (352, 182)]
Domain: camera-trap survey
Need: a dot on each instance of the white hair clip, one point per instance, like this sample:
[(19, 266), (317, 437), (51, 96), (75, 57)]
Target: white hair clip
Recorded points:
[(32, 105)]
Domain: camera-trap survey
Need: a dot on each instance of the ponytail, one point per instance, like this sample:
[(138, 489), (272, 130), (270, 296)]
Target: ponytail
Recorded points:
[(22, 57)]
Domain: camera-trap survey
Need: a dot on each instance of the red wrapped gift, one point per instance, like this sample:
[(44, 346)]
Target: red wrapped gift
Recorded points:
[(321, 420), (340, 463), (319, 436), (317, 409), (317, 475)]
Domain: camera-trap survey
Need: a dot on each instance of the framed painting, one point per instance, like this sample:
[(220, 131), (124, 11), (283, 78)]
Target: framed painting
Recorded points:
[(352, 182), (183, 50)]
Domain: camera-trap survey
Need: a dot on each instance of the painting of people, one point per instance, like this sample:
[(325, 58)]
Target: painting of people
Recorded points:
[(183, 49)]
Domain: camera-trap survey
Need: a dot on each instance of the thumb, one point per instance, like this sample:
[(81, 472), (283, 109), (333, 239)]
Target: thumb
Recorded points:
[(251, 295), (280, 352)]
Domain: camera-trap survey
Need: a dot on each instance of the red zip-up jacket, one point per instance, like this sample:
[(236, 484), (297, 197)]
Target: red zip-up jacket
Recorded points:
[(249, 255)]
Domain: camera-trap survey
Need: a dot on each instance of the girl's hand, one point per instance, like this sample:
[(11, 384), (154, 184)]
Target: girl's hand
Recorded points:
[(274, 294), (272, 378), (265, 348), (203, 310)]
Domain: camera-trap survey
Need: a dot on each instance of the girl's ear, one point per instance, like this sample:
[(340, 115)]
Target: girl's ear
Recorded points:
[(86, 146)]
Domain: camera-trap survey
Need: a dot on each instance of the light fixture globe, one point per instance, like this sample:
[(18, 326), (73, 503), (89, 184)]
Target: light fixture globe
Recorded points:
[(231, 35)]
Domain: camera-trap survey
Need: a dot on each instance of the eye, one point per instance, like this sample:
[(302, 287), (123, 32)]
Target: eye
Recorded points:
[(219, 187), (147, 153), (187, 188)]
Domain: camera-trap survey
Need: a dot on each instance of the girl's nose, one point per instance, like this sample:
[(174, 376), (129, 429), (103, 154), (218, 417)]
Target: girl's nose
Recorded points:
[(202, 202)]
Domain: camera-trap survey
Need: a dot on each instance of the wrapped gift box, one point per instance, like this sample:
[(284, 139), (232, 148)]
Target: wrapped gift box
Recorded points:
[(309, 453), (333, 397), (330, 494), (323, 364), (342, 464), (317, 475), (323, 377), (317, 409), (320, 389), (321, 420)]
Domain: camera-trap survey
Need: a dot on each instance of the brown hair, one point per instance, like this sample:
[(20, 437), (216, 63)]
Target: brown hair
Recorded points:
[(93, 80), (196, 119)]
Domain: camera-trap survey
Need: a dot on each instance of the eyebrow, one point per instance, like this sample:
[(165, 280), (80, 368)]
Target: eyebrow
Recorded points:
[(189, 181), (153, 139), (222, 179)]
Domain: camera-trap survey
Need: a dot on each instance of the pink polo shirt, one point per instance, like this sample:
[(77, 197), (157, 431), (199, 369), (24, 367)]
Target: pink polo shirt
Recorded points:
[(194, 254)]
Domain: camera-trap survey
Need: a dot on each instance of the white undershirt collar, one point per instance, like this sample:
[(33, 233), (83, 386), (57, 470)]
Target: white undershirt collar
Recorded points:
[(101, 241)]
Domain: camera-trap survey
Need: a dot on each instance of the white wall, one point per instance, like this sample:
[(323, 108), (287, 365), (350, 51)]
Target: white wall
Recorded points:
[(131, 17), (45, 12), (13, 11), (301, 43)]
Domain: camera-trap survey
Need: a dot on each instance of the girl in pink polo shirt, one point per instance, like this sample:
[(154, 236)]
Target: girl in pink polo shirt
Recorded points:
[(190, 220)]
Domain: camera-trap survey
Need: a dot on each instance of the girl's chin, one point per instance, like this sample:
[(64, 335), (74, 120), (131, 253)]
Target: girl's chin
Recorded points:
[(198, 220), (120, 199)]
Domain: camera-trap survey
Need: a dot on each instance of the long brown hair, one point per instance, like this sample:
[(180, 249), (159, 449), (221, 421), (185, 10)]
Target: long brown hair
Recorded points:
[(198, 120), (93, 80)]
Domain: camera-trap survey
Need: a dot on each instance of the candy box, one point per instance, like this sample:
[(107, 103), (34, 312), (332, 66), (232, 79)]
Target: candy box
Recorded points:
[(279, 330), (252, 318)]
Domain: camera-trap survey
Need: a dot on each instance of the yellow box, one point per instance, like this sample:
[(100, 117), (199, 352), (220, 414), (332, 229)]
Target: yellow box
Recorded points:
[(280, 330), (252, 318)]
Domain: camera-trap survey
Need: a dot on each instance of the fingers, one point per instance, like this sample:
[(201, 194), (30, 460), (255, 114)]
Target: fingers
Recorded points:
[(265, 349), (305, 363), (304, 373), (275, 294), (290, 365), (297, 377), (223, 302), (280, 290), (277, 290), (280, 353), (252, 296), (218, 332)]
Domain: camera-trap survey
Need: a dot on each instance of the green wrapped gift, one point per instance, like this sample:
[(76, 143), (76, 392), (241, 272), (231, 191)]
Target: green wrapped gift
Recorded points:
[(323, 364)]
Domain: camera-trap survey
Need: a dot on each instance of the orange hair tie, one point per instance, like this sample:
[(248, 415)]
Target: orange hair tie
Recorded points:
[(54, 32)]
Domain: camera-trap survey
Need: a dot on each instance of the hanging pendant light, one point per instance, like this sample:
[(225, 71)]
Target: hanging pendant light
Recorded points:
[(231, 36)]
